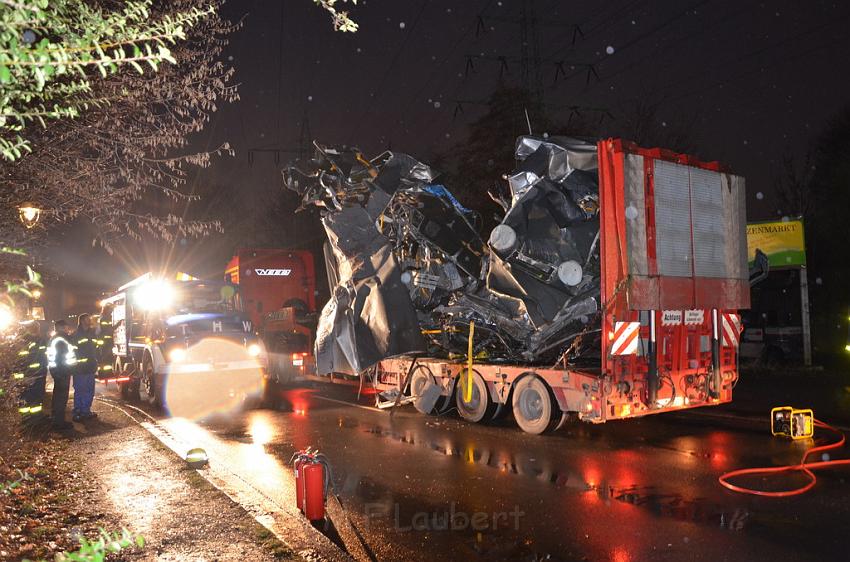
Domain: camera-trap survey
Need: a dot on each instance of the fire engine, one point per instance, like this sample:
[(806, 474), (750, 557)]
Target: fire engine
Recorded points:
[(278, 289), (164, 330)]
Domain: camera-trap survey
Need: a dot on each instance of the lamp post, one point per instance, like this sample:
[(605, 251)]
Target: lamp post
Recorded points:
[(29, 214)]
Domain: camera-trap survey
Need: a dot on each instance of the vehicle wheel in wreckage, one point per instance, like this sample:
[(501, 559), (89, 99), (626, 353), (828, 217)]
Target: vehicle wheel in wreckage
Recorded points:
[(534, 406), (149, 391), (420, 381), (474, 406)]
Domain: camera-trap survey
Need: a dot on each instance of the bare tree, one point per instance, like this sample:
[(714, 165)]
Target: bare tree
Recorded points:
[(793, 185)]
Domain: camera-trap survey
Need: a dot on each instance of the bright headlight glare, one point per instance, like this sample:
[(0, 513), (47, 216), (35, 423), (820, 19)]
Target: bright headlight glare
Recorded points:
[(154, 295), (254, 350), (177, 355)]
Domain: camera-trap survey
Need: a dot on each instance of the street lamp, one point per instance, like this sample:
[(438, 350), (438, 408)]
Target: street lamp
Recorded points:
[(29, 214)]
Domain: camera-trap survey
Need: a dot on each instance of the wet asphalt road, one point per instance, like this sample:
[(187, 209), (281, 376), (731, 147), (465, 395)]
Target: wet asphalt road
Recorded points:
[(624, 491)]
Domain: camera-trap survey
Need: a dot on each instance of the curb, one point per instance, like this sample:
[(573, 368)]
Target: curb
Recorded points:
[(310, 544)]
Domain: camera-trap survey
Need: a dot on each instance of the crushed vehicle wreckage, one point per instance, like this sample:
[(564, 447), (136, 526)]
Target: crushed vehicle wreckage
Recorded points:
[(410, 272)]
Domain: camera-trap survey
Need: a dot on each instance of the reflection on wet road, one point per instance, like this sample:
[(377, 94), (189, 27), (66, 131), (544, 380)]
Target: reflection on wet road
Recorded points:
[(437, 488)]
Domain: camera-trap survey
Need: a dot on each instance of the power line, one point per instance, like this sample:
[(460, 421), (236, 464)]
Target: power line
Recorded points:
[(389, 68), (753, 53), (646, 34)]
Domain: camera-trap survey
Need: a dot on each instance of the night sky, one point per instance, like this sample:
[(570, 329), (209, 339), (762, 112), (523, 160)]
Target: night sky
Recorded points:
[(752, 80)]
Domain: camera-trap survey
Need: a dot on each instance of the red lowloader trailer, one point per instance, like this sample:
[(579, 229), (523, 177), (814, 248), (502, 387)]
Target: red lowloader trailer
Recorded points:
[(674, 275)]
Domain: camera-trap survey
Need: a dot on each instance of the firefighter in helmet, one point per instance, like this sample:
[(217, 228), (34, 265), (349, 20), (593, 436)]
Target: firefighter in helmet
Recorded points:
[(61, 361), (32, 371)]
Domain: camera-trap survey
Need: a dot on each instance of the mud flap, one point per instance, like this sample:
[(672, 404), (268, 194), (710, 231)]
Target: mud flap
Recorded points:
[(426, 401)]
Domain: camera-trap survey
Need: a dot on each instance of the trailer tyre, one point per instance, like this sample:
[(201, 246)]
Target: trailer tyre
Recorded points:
[(534, 407), (480, 407)]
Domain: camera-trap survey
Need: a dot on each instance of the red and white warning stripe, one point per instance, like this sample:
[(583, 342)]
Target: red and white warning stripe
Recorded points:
[(731, 329), (625, 338)]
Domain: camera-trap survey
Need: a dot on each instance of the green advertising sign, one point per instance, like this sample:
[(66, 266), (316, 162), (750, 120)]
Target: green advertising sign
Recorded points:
[(782, 241)]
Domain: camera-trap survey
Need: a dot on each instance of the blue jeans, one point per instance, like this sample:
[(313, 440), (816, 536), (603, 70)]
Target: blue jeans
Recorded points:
[(83, 393)]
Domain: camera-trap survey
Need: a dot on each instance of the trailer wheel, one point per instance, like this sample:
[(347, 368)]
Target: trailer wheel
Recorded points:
[(480, 406), (534, 408), (151, 394), (418, 382)]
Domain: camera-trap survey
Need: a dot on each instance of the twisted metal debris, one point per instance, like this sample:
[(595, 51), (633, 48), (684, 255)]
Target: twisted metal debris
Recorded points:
[(409, 269)]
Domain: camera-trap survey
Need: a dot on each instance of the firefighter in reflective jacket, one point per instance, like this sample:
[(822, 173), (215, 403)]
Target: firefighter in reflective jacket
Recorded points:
[(105, 357), (32, 371), (61, 361), (85, 340)]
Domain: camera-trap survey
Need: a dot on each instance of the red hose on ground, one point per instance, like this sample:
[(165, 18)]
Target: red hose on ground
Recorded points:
[(803, 467)]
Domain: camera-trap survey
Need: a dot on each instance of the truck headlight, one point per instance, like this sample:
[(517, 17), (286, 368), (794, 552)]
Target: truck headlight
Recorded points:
[(177, 355), (156, 294), (254, 350)]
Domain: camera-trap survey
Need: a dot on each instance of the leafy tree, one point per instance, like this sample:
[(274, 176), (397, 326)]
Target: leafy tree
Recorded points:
[(341, 20), (124, 166), (51, 49)]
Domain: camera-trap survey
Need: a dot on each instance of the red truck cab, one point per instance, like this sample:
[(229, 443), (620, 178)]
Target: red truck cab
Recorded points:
[(278, 291)]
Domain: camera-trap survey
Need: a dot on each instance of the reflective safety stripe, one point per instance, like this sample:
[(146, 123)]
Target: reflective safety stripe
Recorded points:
[(23, 353), (33, 365), (83, 360), (24, 410), (18, 375), (70, 358), (35, 409), (31, 345), (106, 368), (82, 340)]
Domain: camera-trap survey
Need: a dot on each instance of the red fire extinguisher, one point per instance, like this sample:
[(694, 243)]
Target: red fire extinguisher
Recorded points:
[(312, 478)]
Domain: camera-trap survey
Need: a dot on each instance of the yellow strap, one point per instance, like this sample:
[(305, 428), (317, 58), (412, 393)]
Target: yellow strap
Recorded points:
[(467, 395)]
